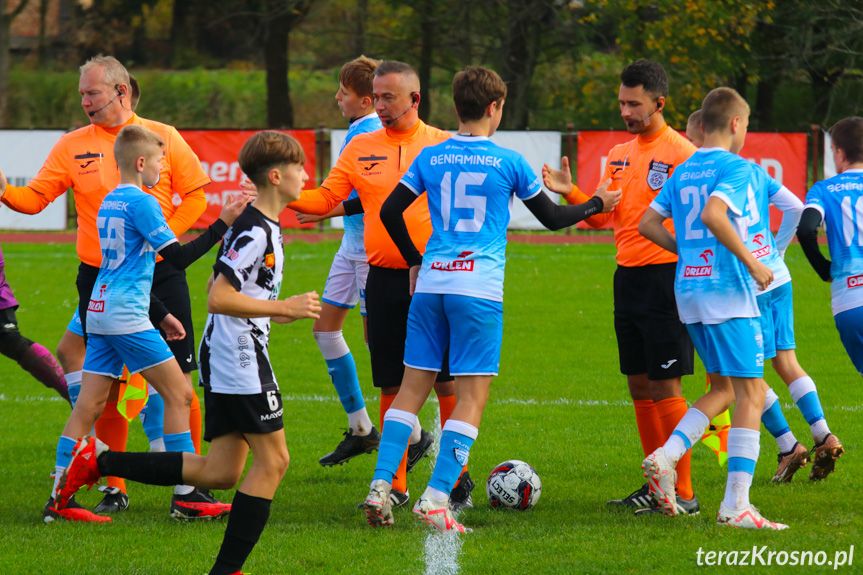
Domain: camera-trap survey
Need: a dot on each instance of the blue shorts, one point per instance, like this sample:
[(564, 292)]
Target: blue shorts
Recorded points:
[(850, 326), (733, 348), (471, 327), (777, 319), (106, 354), (75, 324)]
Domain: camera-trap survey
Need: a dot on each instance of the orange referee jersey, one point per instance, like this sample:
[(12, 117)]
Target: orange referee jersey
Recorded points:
[(639, 167), (84, 161), (373, 163)]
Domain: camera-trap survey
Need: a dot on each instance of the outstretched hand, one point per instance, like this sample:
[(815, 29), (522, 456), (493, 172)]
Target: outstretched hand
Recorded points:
[(233, 207), (558, 181), (2, 183), (610, 198), (309, 218)]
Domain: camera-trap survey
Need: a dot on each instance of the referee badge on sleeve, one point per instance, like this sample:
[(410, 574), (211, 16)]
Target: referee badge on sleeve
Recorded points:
[(270, 260), (657, 175)]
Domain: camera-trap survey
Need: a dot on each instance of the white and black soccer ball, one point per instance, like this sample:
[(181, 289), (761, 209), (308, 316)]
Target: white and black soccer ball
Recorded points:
[(513, 485)]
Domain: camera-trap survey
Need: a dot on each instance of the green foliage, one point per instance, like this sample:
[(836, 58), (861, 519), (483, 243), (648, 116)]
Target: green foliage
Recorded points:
[(559, 403)]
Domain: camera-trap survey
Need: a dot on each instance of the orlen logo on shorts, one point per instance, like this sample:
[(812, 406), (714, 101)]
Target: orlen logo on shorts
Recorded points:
[(700, 271), (855, 281), (96, 306)]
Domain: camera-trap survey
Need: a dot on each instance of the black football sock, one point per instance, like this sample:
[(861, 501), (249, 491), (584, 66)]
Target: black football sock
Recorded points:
[(164, 468), (249, 515)]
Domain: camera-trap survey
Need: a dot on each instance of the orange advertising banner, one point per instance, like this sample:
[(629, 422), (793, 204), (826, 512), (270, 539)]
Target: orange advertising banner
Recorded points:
[(218, 151), (782, 155)]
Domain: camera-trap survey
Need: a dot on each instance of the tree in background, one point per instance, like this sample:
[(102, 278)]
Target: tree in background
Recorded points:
[(7, 14)]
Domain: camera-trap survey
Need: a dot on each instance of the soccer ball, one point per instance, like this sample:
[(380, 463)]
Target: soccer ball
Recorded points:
[(513, 485)]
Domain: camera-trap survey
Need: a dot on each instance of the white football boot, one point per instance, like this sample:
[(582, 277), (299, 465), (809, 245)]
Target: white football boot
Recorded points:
[(379, 511), (437, 513), (661, 478), (747, 518)]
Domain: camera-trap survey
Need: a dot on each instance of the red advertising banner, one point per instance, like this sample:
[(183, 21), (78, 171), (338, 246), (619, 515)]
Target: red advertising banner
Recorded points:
[(782, 155), (218, 151)]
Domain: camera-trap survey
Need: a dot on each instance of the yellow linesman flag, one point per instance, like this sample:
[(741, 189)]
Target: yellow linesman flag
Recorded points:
[(133, 394), (716, 436)]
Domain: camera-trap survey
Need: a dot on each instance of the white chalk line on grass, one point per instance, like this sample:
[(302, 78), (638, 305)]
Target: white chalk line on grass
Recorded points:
[(502, 401)]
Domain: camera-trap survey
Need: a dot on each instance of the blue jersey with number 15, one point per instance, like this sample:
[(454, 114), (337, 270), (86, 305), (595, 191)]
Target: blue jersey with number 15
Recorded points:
[(132, 229), (712, 285), (840, 201), (470, 182)]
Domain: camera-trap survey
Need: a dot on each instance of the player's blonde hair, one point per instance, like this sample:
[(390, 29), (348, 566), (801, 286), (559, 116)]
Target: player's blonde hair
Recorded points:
[(135, 142), (719, 107), (268, 149), (474, 89), (115, 72), (358, 75)]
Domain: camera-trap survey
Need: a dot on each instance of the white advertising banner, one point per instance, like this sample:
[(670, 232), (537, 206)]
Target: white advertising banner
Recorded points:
[(537, 147), (829, 166), (22, 153)]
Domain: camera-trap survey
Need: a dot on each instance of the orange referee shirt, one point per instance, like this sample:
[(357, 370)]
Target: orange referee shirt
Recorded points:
[(639, 167), (373, 163), (84, 161)]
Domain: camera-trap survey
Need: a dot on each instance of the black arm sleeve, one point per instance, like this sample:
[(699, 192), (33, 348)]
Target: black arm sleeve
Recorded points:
[(182, 256), (353, 207), (158, 311), (554, 216), (392, 216), (807, 235)]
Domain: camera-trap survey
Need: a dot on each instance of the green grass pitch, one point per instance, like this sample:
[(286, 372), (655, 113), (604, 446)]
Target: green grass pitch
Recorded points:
[(559, 404)]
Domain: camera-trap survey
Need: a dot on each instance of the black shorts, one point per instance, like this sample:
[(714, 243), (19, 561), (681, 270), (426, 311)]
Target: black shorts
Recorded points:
[(169, 285), (226, 413), (388, 302), (650, 337)]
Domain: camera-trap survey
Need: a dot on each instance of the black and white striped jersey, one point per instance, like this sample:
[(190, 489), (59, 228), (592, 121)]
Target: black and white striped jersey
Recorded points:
[(233, 351)]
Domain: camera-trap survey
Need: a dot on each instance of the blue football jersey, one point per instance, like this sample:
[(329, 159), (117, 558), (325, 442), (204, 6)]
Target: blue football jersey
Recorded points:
[(840, 201), (352, 245), (711, 285), (759, 238), (470, 182), (132, 229)]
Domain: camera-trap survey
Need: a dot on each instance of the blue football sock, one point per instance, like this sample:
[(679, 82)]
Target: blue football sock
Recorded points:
[(65, 446), (398, 425), (805, 395), (73, 384), (772, 416), (343, 372), (179, 442), (743, 448), (455, 443), (153, 416), (341, 368)]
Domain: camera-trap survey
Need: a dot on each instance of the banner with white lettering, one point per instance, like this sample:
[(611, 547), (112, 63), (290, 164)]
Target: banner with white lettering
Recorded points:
[(218, 150), (22, 153), (537, 148), (782, 155)]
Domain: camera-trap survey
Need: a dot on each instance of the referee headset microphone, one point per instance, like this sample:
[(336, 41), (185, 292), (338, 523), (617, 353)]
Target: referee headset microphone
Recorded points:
[(414, 101), (646, 119), (111, 101)]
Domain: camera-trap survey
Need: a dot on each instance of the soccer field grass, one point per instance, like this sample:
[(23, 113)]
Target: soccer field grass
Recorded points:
[(559, 404)]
